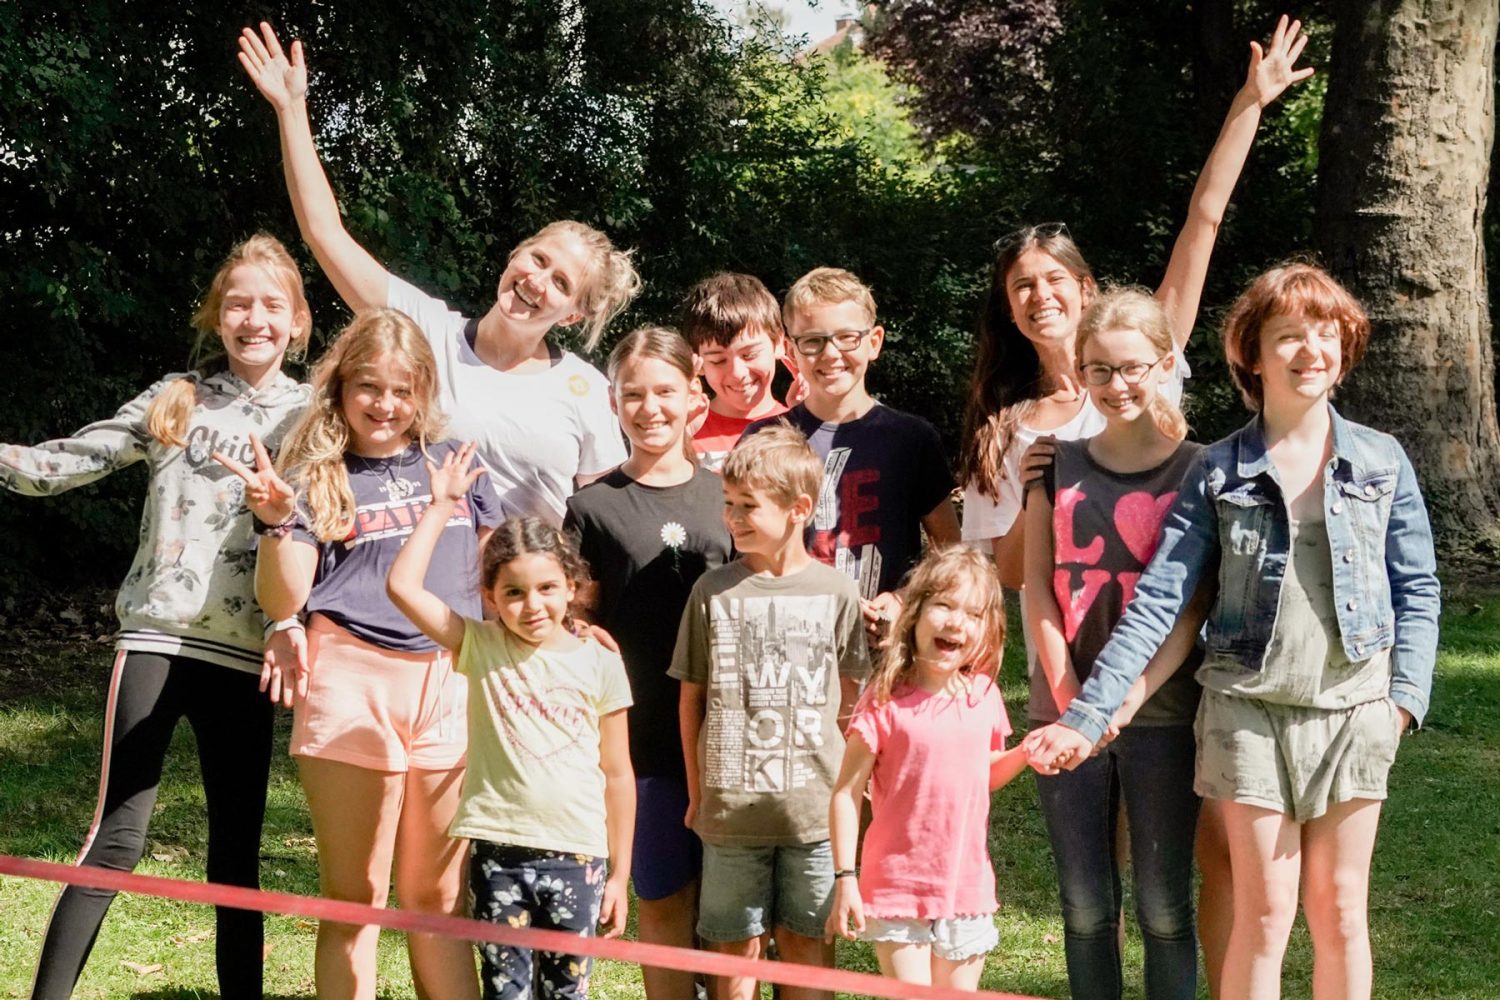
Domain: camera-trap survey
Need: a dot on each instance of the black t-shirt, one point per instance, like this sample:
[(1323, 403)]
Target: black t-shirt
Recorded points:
[(882, 473), (1105, 529), (646, 546)]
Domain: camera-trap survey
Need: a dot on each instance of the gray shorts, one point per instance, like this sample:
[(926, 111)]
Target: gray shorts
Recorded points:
[(1292, 759), (746, 891)]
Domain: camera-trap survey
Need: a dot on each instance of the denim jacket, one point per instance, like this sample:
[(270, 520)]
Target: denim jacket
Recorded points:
[(1230, 515)]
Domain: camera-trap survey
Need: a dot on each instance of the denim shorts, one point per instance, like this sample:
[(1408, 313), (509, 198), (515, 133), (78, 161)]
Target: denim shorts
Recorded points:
[(953, 939), (749, 890)]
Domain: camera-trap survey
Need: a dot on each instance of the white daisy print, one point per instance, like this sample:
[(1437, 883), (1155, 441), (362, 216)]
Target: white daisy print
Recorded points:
[(673, 535)]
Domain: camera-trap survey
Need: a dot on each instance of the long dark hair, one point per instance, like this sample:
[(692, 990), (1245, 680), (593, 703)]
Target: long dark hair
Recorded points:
[(1008, 376)]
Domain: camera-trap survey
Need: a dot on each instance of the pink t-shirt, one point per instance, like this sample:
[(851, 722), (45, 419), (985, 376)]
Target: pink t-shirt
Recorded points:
[(926, 854)]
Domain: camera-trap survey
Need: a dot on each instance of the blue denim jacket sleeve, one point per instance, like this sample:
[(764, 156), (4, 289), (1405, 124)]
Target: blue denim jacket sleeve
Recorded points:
[(1411, 568), (1189, 543)]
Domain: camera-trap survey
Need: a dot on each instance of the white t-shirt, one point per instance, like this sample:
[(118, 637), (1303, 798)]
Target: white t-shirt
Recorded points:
[(535, 430)]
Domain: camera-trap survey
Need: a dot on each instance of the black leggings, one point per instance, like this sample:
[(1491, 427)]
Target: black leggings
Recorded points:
[(231, 719)]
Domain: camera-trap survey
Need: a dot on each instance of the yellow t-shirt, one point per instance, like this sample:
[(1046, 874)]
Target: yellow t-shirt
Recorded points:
[(533, 777)]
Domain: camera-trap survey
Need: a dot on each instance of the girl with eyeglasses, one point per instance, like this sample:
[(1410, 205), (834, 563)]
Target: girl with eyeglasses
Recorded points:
[(1092, 522), (1025, 383)]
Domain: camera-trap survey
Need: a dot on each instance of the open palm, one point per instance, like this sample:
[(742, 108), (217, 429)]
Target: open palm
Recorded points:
[(281, 80), (1273, 69)]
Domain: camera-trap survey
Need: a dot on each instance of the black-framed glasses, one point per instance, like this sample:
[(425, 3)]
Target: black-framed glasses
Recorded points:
[(1031, 234), (812, 344), (1133, 372)]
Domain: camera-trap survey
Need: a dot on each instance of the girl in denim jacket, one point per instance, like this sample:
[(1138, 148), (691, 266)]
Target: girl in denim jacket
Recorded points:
[(1319, 648)]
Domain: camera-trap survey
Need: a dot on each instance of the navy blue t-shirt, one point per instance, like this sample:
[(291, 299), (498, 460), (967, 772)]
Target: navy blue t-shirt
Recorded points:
[(390, 496), (882, 473)]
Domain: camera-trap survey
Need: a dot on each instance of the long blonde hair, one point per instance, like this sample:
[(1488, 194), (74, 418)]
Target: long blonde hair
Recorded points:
[(942, 571), (312, 459), (169, 414), (608, 285), (1136, 309)]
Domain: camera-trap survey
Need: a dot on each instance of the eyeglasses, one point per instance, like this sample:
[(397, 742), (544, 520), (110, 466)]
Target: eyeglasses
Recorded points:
[(1133, 372), (812, 344), (1030, 234)]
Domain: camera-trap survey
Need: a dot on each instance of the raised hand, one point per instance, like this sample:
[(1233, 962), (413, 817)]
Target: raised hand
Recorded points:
[(1273, 70), (452, 479), (266, 494), (282, 81)]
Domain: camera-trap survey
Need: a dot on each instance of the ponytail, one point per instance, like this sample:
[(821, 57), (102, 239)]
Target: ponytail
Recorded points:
[(611, 281)]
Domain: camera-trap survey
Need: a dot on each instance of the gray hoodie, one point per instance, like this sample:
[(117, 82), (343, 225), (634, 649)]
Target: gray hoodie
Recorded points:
[(191, 588)]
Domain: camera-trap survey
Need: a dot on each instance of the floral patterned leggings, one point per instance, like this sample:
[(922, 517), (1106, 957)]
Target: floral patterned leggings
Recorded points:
[(526, 887)]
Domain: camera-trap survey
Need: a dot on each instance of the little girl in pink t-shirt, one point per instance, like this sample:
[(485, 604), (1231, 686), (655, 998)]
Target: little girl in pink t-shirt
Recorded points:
[(931, 731)]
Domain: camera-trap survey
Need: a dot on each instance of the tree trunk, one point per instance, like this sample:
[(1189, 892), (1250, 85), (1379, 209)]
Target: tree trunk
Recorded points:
[(1404, 166)]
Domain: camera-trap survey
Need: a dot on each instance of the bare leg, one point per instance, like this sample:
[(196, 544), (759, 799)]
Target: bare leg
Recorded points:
[(430, 878), (669, 920), (1336, 850), (355, 815), (909, 963), (734, 987), (1215, 894), (961, 975), (804, 951), (1265, 851)]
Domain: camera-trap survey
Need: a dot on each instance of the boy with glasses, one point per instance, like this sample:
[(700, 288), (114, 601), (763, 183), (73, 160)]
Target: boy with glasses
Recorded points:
[(885, 476)]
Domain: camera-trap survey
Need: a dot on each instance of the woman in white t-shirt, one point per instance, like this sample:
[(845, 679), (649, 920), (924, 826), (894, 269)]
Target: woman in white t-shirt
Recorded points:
[(539, 415), (1025, 381)]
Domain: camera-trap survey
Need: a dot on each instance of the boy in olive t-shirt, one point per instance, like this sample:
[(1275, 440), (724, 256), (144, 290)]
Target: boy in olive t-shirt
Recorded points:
[(770, 654)]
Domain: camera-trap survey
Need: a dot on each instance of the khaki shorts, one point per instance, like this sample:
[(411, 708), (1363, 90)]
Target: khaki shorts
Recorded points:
[(1294, 760), (378, 708)]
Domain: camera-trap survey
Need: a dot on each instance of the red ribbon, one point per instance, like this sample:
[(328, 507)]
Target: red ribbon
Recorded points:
[(616, 949)]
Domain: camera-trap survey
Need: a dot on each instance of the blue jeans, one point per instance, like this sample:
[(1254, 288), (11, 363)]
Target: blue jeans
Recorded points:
[(1152, 767)]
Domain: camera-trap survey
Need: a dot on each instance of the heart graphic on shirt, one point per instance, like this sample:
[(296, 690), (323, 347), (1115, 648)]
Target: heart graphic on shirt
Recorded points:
[(1138, 518)]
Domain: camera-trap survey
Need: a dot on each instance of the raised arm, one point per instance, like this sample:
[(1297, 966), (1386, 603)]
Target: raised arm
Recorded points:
[(284, 566), (1271, 72), (1043, 617), (406, 584), (361, 280)]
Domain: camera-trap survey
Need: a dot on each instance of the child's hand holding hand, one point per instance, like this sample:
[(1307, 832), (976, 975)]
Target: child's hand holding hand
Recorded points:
[(614, 906), (847, 917), (1056, 747), (266, 494), (451, 480), (1271, 70)]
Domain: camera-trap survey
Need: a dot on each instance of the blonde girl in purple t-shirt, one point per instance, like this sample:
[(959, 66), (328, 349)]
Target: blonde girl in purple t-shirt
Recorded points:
[(930, 731)]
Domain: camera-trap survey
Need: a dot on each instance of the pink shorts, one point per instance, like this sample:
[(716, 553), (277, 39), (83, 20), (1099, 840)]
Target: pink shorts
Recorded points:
[(379, 708)]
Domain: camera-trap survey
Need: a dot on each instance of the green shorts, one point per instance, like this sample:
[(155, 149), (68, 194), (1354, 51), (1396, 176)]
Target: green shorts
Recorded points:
[(1292, 759)]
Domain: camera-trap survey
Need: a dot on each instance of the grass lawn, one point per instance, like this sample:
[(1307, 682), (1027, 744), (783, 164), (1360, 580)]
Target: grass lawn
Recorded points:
[(1434, 903)]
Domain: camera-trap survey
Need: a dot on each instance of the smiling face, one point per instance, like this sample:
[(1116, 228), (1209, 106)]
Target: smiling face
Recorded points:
[(740, 373), (757, 522), (1046, 299), (379, 406), (257, 320), (1124, 348), (651, 398), (542, 283), (531, 595), (1301, 359), (947, 630), (832, 374)]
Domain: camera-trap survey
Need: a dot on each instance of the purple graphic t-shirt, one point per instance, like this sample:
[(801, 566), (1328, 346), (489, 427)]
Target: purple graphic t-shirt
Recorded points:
[(390, 496), (1105, 528)]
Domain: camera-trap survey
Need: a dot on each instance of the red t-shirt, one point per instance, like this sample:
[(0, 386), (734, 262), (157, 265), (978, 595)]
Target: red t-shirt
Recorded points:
[(719, 434)]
